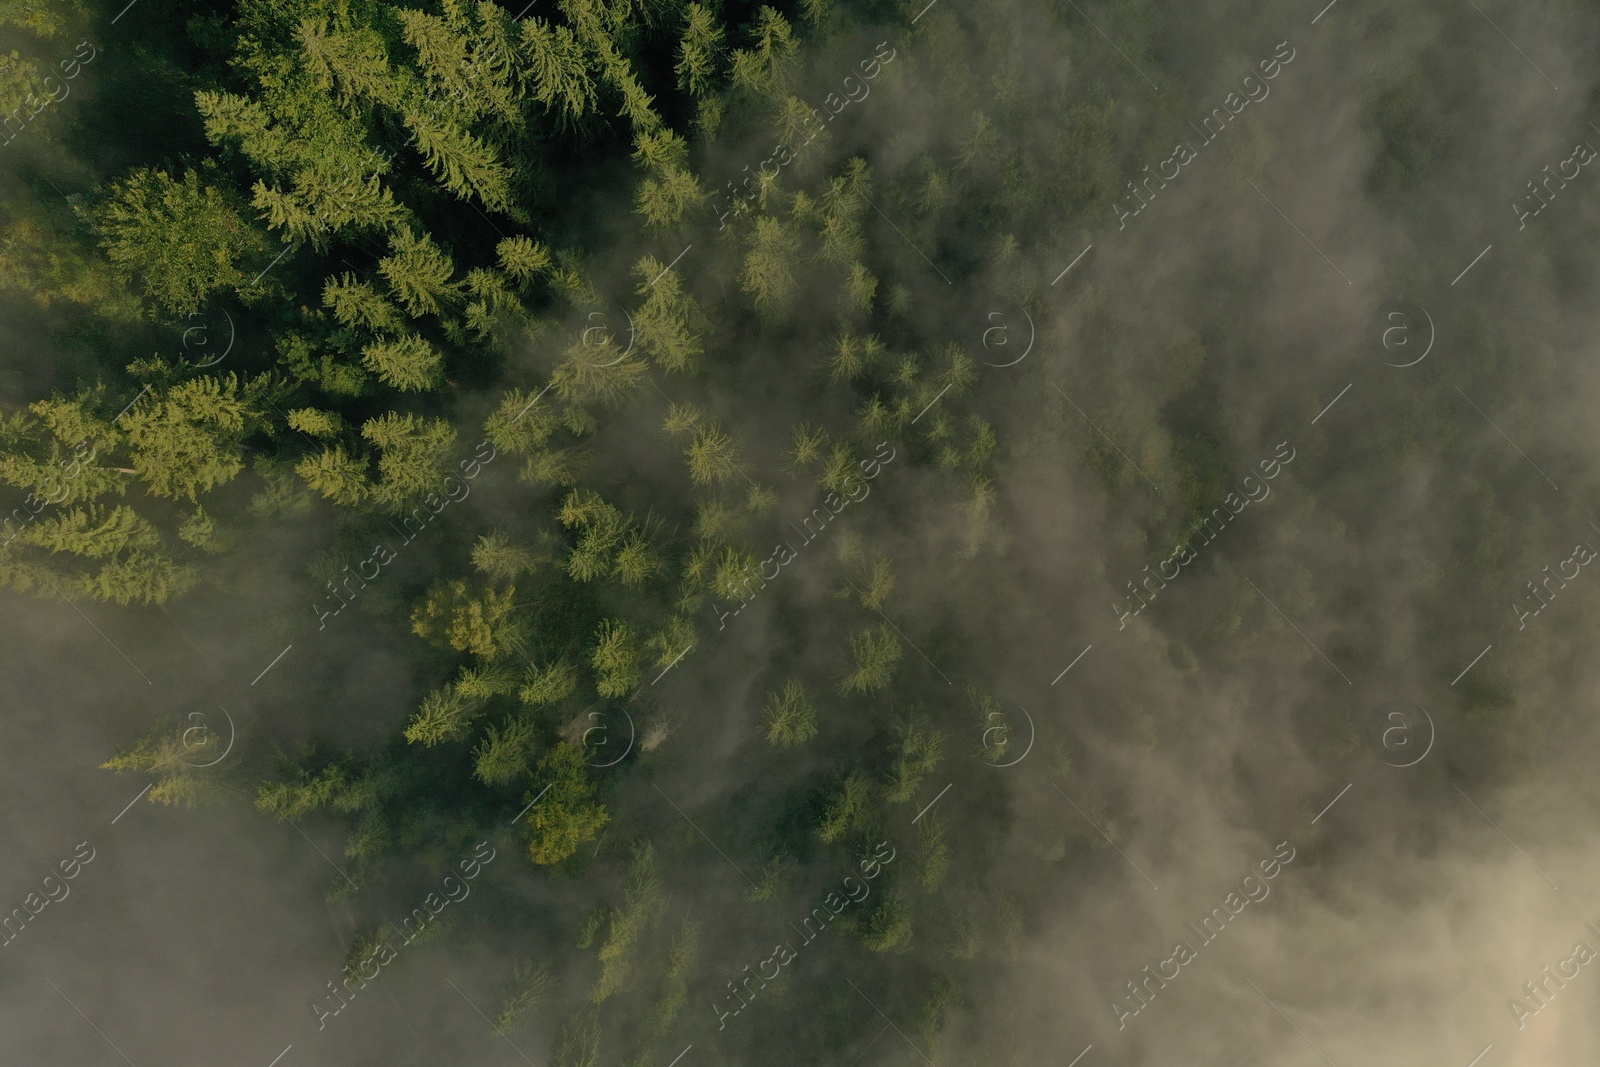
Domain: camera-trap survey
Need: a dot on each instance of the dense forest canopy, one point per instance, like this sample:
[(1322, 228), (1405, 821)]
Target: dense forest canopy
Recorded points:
[(751, 523)]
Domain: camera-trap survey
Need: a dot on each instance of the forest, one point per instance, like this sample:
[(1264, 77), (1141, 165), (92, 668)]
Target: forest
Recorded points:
[(718, 493)]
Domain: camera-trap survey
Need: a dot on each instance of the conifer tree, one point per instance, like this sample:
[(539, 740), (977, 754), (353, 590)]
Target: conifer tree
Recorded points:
[(766, 68), (641, 907), (523, 258), (351, 62), (408, 363), (790, 716), (549, 684), (711, 456), (560, 68), (918, 752), (700, 53), (418, 272), (337, 475), (445, 715), (184, 440), (846, 810), (482, 624), (616, 659), (669, 325), (875, 651), (504, 753), (496, 556), (411, 451), (768, 274), (933, 852), (140, 224), (887, 926), (173, 756), (463, 163), (356, 303), (529, 986), (565, 817)]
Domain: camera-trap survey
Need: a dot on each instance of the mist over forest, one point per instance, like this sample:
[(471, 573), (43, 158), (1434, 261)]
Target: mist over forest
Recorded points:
[(527, 542)]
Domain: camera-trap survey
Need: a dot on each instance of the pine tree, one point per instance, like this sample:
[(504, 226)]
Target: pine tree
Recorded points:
[(522, 425), (565, 816), (185, 440), (933, 852), (847, 809), (641, 907), (523, 258), (809, 443), (615, 659), (463, 163), (408, 363), (411, 456), (419, 273), (580, 1042), (669, 326), (768, 276), (917, 754), (549, 684), (496, 556), (854, 357), (45, 18), (529, 987), (879, 584), (859, 289), (503, 754), (887, 927), (352, 62), (876, 652), (700, 53), (337, 475), (171, 755), (673, 641), (356, 303), (137, 223), (322, 203), (445, 715), (711, 456), (766, 69), (789, 716), (560, 69), (482, 624)]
